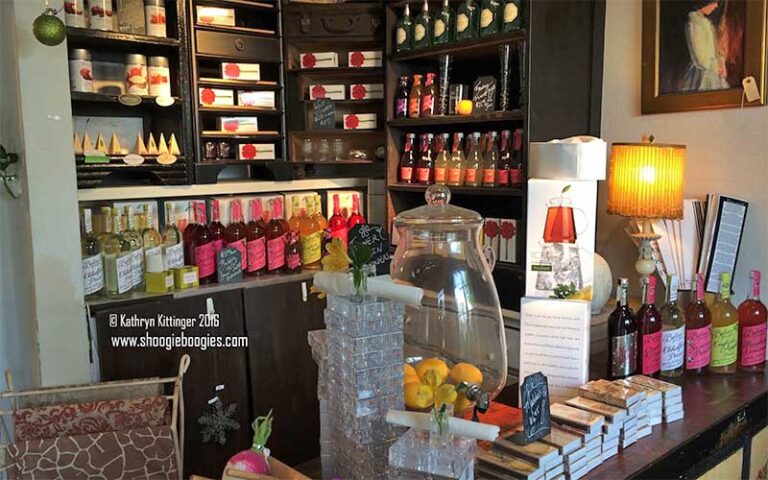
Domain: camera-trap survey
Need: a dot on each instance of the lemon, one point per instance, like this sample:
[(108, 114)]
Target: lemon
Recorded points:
[(446, 393), (466, 372), (409, 374), (461, 404), (439, 366), (417, 396)]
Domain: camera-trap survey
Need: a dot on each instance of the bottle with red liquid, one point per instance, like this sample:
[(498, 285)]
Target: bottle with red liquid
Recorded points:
[(698, 332), (355, 218), (256, 240), (235, 233), (337, 223), (401, 98), (622, 335), (408, 160), (649, 328), (505, 161), (752, 329), (516, 168), (292, 252), (201, 246), (276, 230), (216, 227), (428, 97), (186, 236), (425, 170)]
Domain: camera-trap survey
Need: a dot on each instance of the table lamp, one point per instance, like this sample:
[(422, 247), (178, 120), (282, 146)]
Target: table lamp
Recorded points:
[(645, 182)]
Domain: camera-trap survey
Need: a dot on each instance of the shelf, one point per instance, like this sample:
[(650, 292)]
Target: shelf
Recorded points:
[(266, 135), (332, 162), (249, 84), (371, 101), (239, 4), (239, 109), (233, 58), (245, 163), (335, 131), (113, 98), (437, 120), (80, 36), (339, 71), (472, 49), (221, 188), (475, 191), (225, 29)]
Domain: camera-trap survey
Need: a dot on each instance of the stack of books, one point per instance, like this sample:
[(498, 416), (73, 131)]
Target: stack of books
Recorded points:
[(629, 399), (589, 426), (651, 406), (571, 446), (507, 459), (614, 422), (671, 396)]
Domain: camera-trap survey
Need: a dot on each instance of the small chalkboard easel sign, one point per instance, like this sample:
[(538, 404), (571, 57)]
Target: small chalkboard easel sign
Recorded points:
[(484, 95), (323, 114), (376, 237), (229, 265), (534, 399)]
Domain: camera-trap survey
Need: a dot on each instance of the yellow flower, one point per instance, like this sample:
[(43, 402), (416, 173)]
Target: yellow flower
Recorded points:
[(445, 393), (337, 259)]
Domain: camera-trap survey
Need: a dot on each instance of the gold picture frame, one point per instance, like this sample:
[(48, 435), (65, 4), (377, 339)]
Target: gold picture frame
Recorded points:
[(669, 79)]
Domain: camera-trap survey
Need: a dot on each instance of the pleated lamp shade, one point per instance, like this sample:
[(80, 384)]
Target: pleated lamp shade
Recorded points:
[(645, 180)]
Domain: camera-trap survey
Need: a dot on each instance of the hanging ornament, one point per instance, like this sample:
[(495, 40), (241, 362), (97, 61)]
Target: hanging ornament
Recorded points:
[(48, 28), (218, 421)]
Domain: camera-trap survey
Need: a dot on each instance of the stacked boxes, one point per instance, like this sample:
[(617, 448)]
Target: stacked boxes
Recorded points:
[(672, 396)]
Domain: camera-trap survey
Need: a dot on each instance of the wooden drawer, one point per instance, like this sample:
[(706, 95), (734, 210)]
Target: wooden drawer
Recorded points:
[(338, 20), (238, 47)]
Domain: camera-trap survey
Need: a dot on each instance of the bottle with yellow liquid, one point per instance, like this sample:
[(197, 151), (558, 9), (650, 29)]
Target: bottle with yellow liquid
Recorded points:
[(725, 329)]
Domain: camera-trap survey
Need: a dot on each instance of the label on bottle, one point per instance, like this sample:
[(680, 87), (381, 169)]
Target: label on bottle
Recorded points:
[(503, 177), (752, 344), (489, 176), (293, 261), (401, 36), (419, 32), (672, 348), (217, 245), (462, 22), (311, 248), (205, 260), (651, 353), (698, 343), (454, 176), (152, 252), (440, 175), (486, 18), (422, 174), (240, 247), (137, 260), (515, 176), (427, 102), (413, 106), (93, 274), (174, 256), (124, 270), (725, 341), (406, 174), (439, 28), (257, 254), (623, 355), (470, 176), (401, 107), (276, 253), (169, 281), (511, 11)]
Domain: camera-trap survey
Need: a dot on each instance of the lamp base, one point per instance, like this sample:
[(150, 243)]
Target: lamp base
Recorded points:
[(645, 264)]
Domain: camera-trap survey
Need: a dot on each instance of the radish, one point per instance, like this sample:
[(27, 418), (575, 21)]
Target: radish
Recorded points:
[(254, 460)]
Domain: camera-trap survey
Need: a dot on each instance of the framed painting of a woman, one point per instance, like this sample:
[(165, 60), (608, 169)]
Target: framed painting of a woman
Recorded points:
[(697, 53)]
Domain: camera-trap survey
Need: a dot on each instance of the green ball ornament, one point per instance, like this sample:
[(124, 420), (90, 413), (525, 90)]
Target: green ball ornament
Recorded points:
[(49, 29)]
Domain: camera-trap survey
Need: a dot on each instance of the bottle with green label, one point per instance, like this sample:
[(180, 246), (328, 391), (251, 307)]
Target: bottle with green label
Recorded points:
[(489, 17), (510, 15), (404, 31), (422, 28), (442, 30), (725, 329), (467, 16)]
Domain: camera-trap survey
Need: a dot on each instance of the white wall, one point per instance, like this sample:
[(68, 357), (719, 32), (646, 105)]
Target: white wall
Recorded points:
[(727, 149)]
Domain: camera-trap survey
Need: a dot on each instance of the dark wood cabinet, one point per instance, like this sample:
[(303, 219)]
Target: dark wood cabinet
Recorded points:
[(351, 20)]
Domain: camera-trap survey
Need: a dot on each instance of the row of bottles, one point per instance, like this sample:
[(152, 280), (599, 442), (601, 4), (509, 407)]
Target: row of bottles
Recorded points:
[(117, 262), (419, 100), (467, 22), (486, 161), (718, 337)]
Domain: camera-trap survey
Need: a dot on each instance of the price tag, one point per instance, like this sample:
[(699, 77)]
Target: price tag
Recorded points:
[(750, 89), (174, 256)]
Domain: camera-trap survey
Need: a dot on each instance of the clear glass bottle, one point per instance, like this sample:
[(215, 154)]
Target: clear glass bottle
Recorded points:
[(455, 173), (649, 330), (173, 246), (752, 329), (422, 28), (404, 31), (92, 259), (489, 18), (441, 159), (153, 241), (673, 332), (467, 17), (698, 332), (490, 160), (442, 30), (137, 248), (474, 162), (622, 335), (118, 265), (725, 329)]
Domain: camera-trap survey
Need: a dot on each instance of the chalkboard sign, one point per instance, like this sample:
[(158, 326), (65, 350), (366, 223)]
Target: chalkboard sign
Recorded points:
[(323, 114), (484, 95), (534, 396), (376, 237), (229, 265)]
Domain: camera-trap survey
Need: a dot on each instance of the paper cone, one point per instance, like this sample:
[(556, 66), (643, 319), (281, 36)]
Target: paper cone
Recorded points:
[(162, 147), (77, 143), (87, 144), (101, 144), (139, 148), (151, 145), (114, 145), (173, 147)]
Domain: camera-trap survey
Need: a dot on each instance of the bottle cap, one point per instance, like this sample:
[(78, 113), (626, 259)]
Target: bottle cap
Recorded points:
[(79, 54), (158, 62), (135, 58)]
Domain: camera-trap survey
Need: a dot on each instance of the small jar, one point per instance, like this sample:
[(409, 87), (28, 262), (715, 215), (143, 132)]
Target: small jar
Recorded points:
[(136, 74), (74, 13), (154, 13), (80, 70), (101, 14), (159, 77)]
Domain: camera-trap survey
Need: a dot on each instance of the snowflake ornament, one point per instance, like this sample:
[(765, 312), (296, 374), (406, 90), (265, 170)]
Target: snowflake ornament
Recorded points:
[(217, 421)]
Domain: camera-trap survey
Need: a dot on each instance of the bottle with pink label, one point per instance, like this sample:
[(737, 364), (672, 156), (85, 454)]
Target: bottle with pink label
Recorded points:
[(201, 247), (216, 228), (256, 241), (292, 252), (752, 329), (276, 230), (698, 331), (649, 331), (235, 234)]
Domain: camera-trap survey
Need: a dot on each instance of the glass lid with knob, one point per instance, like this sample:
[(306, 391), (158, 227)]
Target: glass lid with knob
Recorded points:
[(459, 331)]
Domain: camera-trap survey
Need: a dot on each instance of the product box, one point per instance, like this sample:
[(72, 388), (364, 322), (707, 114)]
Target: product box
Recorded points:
[(300, 196), (345, 202), (507, 240), (159, 282), (138, 207), (240, 71), (217, 96), (366, 91), (334, 92), (216, 16), (256, 151), (364, 58), (578, 158), (238, 124), (256, 99), (360, 121), (319, 60), (186, 277), (491, 235)]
